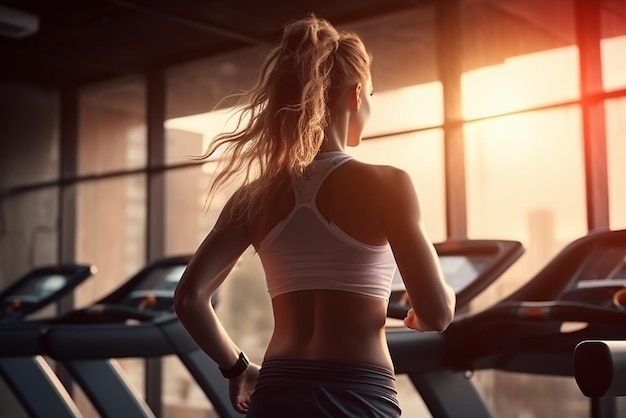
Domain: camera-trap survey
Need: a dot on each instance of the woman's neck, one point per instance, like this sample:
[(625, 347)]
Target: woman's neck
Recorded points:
[(336, 133), (334, 140)]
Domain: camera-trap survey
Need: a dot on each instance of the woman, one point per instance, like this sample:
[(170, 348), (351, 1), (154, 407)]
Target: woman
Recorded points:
[(329, 231)]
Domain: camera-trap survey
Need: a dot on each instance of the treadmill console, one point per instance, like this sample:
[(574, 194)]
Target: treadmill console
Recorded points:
[(601, 280), (39, 287), (146, 295), (462, 270), (469, 266), (156, 291)]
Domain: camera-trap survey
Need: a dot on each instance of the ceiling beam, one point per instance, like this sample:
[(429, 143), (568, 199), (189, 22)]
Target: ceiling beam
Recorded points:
[(191, 23)]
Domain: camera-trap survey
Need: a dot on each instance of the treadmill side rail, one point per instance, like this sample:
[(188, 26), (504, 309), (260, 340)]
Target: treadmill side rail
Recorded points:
[(32, 375)]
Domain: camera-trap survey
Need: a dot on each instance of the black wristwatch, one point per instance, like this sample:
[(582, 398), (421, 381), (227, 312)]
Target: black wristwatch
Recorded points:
[(238, 368)]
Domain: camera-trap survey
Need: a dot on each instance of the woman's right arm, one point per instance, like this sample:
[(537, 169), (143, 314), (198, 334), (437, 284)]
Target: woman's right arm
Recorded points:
[(206, 271), (432, 299)]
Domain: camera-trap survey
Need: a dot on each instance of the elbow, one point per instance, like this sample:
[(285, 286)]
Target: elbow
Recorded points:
[(437, 324), (189, 303), (438, 319), (182, 303)]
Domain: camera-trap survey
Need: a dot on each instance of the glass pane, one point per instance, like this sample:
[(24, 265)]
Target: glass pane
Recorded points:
[(111, 230), (407, 91), (517, 55), (194, 92), (616, 149), (613, 44), (525, 181), (112, 135), (405, 109), (182, 397), (614, 62), (514, 395), (30, 232), (29, 132), (421, 155), (187, 137), (187, 221)]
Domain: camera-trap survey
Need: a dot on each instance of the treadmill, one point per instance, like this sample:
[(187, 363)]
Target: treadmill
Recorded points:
[(143, 297), (584, 283), (136, 320), (27, 296)]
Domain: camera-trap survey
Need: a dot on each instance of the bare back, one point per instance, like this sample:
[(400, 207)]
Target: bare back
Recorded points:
[(331, 324)]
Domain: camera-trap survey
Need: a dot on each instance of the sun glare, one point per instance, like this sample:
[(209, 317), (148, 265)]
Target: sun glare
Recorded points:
[(521, 82)]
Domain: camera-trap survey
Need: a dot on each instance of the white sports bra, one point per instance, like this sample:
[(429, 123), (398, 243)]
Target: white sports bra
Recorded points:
[(304, 251)]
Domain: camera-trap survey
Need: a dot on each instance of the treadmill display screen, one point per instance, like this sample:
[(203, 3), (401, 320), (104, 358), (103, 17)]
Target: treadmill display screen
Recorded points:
[(458, 270), (161, 282), (605, 264), (39, 288)]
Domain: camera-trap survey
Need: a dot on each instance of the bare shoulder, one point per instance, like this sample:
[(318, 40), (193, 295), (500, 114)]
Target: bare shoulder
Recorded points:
[(376, 171), (384, 177)]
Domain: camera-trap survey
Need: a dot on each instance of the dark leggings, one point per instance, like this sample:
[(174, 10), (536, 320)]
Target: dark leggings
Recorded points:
[(318, 389)]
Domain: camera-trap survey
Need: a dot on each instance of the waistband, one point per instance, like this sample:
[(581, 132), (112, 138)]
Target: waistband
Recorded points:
[(332, 374)]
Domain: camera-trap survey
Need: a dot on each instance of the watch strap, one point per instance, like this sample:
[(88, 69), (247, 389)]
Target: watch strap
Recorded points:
[(238, 368)]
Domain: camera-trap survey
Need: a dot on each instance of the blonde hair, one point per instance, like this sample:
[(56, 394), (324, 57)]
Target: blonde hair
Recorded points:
[(287, 110)]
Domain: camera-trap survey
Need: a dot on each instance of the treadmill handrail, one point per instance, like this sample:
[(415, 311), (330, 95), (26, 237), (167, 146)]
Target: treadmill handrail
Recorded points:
[(600, 368), (558, 311), (90, 341), (106, 313)]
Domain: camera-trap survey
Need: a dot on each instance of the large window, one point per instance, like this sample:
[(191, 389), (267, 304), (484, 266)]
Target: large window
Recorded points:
[(111, 200), (525, 174), (111, 210), (525, 181)]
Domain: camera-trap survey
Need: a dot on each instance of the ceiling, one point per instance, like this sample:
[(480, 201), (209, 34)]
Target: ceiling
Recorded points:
[(83, 41), (80, 41)]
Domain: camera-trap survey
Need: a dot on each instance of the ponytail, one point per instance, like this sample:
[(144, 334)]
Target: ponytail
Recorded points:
[(287, 110)]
